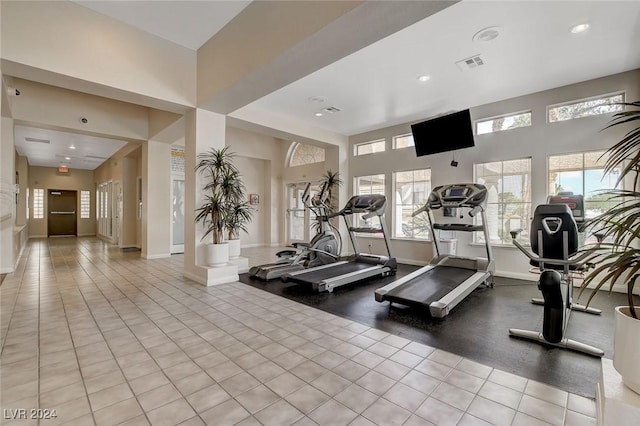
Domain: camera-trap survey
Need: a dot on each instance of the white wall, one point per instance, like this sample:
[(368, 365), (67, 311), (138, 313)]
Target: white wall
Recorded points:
[(250, 145), (48, 178), (538, 142), (94, 50)]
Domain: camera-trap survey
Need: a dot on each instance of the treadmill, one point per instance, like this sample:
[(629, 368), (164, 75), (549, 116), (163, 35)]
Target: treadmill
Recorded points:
[(322, 249), (448, 279), (359, 266)]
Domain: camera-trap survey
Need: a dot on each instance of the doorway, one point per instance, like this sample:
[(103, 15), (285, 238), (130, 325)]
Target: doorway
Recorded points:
[(61, 213), (299, 223), (177, 215)]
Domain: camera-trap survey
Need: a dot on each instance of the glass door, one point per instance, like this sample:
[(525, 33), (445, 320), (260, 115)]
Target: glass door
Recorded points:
[(299, 220), (177, 215)]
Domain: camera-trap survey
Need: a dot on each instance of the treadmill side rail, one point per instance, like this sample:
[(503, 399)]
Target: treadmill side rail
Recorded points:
[(440, 308), (330, 283), (382, 291)]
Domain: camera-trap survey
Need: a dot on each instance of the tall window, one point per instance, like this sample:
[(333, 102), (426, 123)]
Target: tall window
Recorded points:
[(301, 154), (38, 203), (503, 122), (369, 147), (367, 185), (85, 204), (596, 105), (403, 141), (411, 190), (583, 173), (509, 198)]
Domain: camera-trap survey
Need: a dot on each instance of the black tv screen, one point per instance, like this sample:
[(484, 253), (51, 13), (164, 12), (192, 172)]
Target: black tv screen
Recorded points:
[(441, 134)]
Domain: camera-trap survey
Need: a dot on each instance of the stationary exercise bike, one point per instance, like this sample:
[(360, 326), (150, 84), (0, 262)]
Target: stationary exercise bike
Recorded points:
[(554, 242), (324, 247)]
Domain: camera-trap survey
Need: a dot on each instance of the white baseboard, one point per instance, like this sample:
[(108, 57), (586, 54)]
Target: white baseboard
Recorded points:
[(37, 236), (412, 262), (156, 256), (517, 275), (252, 245), (87, 235)]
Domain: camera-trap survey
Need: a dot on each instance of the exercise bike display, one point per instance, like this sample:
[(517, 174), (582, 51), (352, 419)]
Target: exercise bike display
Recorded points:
[(323, 249), (554, 242)]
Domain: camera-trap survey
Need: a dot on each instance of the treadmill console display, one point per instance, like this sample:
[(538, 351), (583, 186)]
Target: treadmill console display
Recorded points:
[(458, 195), (365, 204), (574, 201)]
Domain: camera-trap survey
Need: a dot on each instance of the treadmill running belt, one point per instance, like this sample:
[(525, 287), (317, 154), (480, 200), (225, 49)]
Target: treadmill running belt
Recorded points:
[(430, 286), (310, 277)]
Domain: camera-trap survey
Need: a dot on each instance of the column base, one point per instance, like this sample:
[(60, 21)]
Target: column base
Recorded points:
[(242, 263), (616, 404), (209, 275)]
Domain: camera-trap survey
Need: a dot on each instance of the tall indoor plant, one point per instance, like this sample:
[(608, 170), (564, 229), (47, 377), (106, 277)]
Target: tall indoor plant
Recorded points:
[(239, 215), (619, 260), (222, 188)]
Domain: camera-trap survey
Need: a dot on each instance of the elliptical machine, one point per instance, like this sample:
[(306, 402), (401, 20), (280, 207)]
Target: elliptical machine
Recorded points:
[(324, 247), (554, 242)]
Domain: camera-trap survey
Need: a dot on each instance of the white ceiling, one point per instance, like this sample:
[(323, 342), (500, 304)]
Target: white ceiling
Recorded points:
[(187, 23), (51, 148), (377, 86)]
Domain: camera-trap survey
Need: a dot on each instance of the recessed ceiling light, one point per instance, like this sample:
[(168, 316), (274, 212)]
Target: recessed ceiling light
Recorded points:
[(67, 158), (424, 78), (318, 114), (72, 147), (580, 28), (486, 34)]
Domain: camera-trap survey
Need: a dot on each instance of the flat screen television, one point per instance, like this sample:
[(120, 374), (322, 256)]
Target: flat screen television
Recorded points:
[(442, 134)]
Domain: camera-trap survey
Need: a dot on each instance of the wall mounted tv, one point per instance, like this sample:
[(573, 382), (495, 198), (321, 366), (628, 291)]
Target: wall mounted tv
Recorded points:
[(442, 134)]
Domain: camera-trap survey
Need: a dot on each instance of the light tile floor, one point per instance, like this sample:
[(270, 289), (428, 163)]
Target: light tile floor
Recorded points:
[(104, 337)]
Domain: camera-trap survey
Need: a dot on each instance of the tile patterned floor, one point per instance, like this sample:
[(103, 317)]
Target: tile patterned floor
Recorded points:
[(104, 337)]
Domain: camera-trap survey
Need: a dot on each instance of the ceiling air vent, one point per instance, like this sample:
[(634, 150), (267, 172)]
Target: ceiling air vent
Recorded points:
[(97, 157), (470, 63), (47, 141), (331, 109)]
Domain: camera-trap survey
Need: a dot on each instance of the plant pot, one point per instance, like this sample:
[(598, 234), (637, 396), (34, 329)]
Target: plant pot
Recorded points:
[(626, 348), (217, 254), (234, 248)]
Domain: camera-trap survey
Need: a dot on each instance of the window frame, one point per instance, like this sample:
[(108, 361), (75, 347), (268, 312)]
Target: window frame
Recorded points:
[(507, 115), (372, 142), (524, 236), (394, 205), (578, 101), (292, 151), (404, 135), (582, 172), (38, 203), (85, 204)]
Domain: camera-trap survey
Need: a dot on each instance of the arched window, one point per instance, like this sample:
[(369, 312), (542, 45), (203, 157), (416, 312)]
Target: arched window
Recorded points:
[(301, 154)]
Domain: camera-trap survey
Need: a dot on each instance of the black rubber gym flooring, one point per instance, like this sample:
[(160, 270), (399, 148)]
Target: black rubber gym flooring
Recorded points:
[(478, 327)]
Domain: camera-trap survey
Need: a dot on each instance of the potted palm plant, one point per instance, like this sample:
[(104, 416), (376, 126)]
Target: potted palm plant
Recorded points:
[(619, 260), (239, 215), (332, 181), (222, 189)]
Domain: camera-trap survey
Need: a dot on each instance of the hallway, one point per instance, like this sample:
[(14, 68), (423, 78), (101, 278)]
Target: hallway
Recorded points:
[(104, 337)]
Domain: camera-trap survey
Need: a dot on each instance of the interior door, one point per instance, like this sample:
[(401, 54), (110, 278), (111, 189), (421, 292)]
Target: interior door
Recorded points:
[(62, 218)]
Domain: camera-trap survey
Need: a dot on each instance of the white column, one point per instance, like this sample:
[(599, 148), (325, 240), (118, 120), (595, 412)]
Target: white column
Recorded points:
[(7, 196), (156, 199), (204, 130)]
